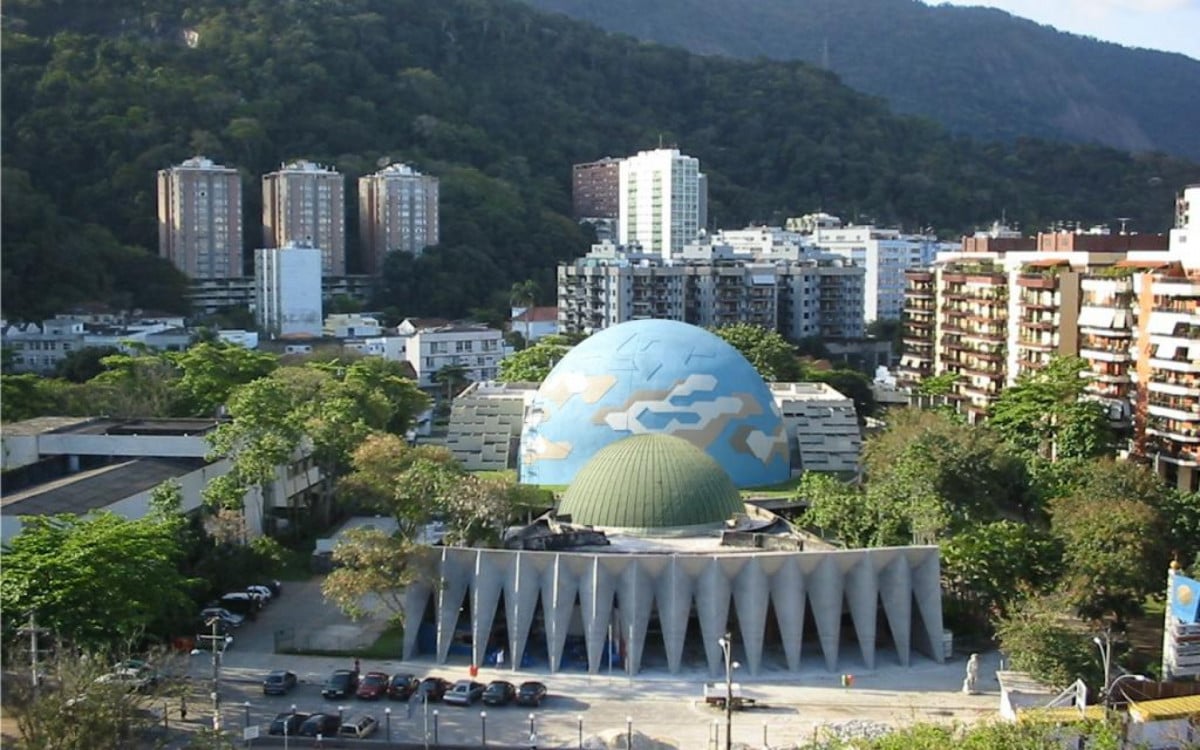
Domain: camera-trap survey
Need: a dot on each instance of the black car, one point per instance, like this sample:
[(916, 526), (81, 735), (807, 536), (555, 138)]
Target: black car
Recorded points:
[(279, 682), (287, 723), (432, 689), (499, 693), (531, 693), (401, 686), (326, 725), (341, 684)]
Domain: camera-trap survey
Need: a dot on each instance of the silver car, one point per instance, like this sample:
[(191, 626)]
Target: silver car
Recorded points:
[(359, 726)]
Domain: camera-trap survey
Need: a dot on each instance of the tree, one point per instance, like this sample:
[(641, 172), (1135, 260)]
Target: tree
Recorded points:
[(136, 385), (98, 581), (81, 365), (73, 707), (454, 378), (532, 364), (1112, 551), (986, 568), (1040, 637), (769, 352), (371, 570), (524, 294), (209, 371), (405, 482), (1047, 412)]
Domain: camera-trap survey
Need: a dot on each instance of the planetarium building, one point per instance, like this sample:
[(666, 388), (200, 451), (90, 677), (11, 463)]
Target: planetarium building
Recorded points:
[(650, 428)]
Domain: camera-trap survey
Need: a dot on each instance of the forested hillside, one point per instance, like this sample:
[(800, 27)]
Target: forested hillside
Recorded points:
[(496, 98), (978, 71)]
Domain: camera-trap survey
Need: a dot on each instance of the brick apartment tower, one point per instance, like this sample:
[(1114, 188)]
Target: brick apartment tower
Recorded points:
[(304, 204), (200, 219), (594, 189), (397, 211)]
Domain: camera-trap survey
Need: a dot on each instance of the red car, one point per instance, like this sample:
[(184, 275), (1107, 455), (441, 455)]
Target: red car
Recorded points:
[(373, 686)]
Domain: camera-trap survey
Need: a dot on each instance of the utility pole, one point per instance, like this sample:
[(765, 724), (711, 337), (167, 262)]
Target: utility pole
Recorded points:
[(33, 652)]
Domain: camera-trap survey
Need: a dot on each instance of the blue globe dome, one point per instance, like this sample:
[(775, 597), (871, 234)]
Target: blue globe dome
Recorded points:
[(654, 376)]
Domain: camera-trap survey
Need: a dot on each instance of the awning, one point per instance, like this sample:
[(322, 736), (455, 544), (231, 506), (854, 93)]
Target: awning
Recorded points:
[(1165, 708), (1096, 317)]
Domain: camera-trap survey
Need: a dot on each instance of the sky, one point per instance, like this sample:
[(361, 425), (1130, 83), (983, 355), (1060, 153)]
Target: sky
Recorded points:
[(1168, 25)]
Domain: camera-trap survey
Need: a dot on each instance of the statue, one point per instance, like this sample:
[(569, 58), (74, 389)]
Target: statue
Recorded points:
[(972, 675)]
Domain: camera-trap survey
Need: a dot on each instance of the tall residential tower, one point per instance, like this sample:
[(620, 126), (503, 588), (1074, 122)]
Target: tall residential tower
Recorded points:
[(397, 210), (304, 203), (200, 219), (661, 204)]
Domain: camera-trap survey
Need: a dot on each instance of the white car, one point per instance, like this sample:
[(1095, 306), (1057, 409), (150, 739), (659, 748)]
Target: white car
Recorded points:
[(263, 593), (132, 679), (359, 727)]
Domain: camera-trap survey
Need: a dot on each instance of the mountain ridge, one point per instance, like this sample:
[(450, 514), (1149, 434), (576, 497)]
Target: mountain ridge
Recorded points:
[(978, 71)]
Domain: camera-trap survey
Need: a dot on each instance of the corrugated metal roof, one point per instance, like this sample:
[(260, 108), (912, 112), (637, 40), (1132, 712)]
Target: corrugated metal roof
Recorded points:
[(1166, 708), (652, 481)]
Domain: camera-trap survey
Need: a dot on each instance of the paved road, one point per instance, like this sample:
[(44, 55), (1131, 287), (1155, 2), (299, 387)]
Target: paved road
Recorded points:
[(792, 706)]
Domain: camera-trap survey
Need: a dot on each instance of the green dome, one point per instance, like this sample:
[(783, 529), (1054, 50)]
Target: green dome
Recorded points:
[(655, 484)]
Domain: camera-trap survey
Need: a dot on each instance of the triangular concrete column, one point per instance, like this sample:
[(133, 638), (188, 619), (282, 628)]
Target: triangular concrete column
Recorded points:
[(521, 587), (895, 588), (712, 608), (491, 568), (596, 601), (926, 579), (673, 596), (751, 595), (560, 584), (636, 593), (825, 593), (416, 600), (455, 571), (787, 594), (862, 596)]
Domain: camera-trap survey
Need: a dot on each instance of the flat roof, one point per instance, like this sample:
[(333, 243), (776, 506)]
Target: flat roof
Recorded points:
[(97, 488), (160, 427), (40, 425)]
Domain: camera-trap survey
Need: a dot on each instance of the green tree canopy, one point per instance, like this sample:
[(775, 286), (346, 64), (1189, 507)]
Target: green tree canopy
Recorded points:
[(533, 363), (769, 352), (99, 581), (1047, 412)]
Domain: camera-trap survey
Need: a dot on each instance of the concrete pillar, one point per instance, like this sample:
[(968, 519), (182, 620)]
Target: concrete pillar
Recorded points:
[(825, 593), (596, 601), (491, 568), (673, 596), (862, 595), (751, 595), (712, 609), (560, 584), (635, 589), (416, 599), (787, 594), (455, 575), (521, 587), (895, 586)]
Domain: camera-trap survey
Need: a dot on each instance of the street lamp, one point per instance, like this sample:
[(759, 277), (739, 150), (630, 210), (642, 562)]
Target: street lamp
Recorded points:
[(580, 719), (483, 727), (387, 712), (341, 711), (726, 645), (1108, 693), (1105, 648), (287, 723), (213, 622), (435, 729), (629, 732), (246, 723)]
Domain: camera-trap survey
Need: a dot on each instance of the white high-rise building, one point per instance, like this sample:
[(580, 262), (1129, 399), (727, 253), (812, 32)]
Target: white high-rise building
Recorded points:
[(287, 290), (885, 254), (397, 211), (660, 201), (200, 219), (304, 203)]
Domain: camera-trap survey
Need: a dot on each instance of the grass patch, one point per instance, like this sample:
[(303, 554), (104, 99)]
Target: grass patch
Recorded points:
[(389, 645), (781, 490)]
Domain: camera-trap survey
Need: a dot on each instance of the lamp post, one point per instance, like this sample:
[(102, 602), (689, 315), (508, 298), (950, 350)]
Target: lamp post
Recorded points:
[(1108, 693), (246, 723), (435, 729), (483, 728), (341, 712), (387, 713), (726, 645), (580, 719), (286, 724), (629, 732), (213, 622), (1105, 648)]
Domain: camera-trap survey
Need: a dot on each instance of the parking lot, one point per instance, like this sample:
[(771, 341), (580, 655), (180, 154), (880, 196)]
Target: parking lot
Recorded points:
[(792, 707)]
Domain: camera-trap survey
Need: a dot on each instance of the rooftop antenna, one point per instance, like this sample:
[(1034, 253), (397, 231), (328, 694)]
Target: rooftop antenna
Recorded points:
[(660, 140), (1124, 220)]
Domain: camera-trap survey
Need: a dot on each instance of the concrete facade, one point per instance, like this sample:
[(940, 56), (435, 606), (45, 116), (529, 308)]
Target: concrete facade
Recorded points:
[(397, 211), (304, 203), (822, 427), (891, 595), (288, 290), (200, 218)]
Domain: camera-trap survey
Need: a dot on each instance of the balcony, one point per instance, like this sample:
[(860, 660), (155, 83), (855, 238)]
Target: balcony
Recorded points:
[(1181, 432), (1172, 383), (1037, 281)]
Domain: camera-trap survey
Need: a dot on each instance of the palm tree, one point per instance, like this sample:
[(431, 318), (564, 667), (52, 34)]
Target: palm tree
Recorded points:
[(524, 294), (454, 377)]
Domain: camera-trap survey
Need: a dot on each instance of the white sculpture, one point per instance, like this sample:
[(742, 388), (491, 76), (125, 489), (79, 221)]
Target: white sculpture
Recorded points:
[(972, 675)]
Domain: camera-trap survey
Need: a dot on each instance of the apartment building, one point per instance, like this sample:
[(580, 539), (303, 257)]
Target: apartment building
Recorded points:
[(304, 203), (594, 188), (885, 254), (798, 294), (661, 201), (40, 347), (476, 348), (1127, 304), (200, 218), (397, 212), (288, 290)]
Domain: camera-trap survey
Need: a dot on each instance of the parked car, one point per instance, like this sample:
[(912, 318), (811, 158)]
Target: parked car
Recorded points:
[(275, 586), (401, 686), (531, 693), (499, 693), (374, 686), (287, 723), (341, 684), (359, 726), (224, 617), (432, 689), (279, 682), (326, 725), (464, 693), (142, 680), (263, 592), (239, 602)]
